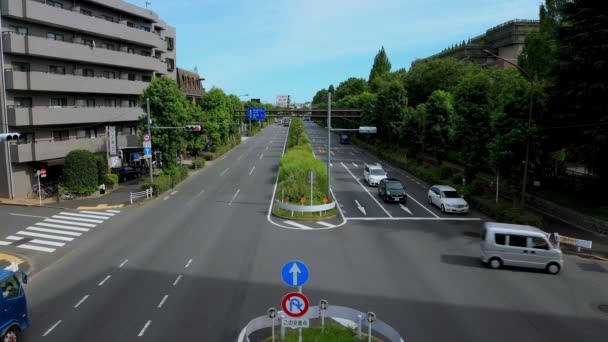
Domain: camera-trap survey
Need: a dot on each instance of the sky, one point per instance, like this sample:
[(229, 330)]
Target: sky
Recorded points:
[(264, 48)]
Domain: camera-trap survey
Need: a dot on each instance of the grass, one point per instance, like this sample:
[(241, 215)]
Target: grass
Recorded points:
[(296, 214), (331, 333)]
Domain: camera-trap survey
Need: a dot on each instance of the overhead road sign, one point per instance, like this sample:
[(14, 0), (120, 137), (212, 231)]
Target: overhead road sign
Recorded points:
[(256, 113), (295, 273), (295, 304)]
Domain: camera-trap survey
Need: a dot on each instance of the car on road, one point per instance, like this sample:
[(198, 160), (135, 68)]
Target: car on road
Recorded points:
[(344, 139), (128, 172), (504, 244), (286, 122), (14, 318), (447, 199), (373, 174), (391, 190)]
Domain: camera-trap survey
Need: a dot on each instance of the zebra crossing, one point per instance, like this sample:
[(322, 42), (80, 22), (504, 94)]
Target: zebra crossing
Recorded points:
[(58, 230)]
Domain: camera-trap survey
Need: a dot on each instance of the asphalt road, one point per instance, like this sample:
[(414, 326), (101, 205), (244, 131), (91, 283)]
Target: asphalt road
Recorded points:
[(198, 264)]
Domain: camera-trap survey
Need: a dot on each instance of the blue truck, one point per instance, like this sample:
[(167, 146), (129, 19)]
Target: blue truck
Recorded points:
[(14, 318)]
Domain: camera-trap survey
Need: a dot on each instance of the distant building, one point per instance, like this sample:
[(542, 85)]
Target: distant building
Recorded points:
[(283, 100), (505, 40), (191, 84)]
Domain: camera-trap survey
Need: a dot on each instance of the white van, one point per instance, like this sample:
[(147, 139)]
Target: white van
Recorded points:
[(517, 245)]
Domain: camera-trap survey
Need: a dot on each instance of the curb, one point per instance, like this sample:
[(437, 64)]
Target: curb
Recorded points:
[(35, 205), (24, 264)]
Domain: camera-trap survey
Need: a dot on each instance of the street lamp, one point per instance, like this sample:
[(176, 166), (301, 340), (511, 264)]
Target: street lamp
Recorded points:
[(530, 106)]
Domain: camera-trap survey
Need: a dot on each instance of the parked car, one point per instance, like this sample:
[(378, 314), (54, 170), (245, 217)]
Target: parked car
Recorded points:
[(128, 172), (373, 174), (344, 139), (517, 245), (447, 199), (391, 190)]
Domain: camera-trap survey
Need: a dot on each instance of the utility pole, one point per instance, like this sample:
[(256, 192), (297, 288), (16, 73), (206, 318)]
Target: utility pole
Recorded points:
[(329, 145), (108, 148), (148, 121)]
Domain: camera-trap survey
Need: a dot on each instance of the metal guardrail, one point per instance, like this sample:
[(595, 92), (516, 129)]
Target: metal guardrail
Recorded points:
[(306, 208), (141, 194)]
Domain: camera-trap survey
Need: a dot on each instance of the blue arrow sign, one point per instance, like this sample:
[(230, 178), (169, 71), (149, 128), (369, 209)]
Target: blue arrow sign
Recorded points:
[(148, 151), (295, 273), (256, 113)]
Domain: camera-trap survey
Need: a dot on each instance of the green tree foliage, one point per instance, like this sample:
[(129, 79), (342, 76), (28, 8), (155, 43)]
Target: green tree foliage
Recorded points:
[(102, 167), (320, 99), (331, 89), (297, 133), (351, 87), (381, 67), (472, 106), (390, 106), (80, 172), (436, 74), (439, 109)]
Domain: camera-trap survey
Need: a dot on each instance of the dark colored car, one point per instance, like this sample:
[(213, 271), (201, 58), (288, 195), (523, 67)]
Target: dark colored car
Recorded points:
[(128, 172), (391, 190), (344, 139)]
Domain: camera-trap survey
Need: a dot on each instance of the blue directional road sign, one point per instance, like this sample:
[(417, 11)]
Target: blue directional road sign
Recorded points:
[(295, 273), (148, 152), (256, 113), (135, 156)]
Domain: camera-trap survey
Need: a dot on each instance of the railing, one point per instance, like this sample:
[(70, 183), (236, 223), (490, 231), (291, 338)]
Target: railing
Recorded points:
[(141, 194)]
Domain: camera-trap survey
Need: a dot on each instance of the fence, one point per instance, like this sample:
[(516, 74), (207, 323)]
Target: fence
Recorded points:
[(141, 194)]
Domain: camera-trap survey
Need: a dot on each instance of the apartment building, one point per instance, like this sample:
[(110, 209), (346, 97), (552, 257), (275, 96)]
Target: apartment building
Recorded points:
[(191, 84), (74, 71), (283, 100)]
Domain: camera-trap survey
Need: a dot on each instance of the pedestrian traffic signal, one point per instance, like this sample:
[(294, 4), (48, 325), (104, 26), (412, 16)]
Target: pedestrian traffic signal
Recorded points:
[(9, 136), (193, 128), (120, 154)]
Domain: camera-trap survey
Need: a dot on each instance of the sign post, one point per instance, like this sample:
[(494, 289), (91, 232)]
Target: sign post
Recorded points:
[(272, 314), (371, 318), (295, 304), (311, 179), (39, 189)]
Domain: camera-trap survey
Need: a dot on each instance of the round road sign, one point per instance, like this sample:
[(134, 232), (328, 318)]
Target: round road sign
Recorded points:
[(146, 137), (295, 304)]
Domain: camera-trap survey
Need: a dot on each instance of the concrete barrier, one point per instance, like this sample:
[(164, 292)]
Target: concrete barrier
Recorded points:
[(306, 208)]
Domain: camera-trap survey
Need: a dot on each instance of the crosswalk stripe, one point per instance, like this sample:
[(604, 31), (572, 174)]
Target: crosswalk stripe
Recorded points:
[(47, 236), (113, 211), (37, 248), (61, 227), (96, 213), (72, 223), (297, 225), (83, 215), (5, 243), (326, 224), (46, 230), (50, 243), (76, 219), (16, 238)]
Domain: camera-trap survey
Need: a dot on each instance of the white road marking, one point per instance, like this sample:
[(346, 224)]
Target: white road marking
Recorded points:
[(420, 204), (177, 280), (46, 236), (331, 165), (223, 157), (188, 263), (332, 153), (224, 172), (360, 207), (405, 208), (325, 224), (143, 330), (266, 148), (123, 263), (173, 193), (250, 172), (37, 248), (355, 165), (262, 156), (76, 219), (71, 223), (160, 305), (16, 238), (49, 243), (28, 215), (200, 193), (54, 231), (113, 211), (233, 197), (85, 216), (413, 218), (301, 226), (5, 243), (104, 280), (369, 193), (166, 198), (239, 158), (81, 301), (96, 213), (51, 328), (61, 227)]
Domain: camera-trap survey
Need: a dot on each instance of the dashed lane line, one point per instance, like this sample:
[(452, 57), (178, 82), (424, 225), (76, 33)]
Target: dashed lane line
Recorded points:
[(104, 280), (51, 328), (160, 305), (143, 330), (81, 301)]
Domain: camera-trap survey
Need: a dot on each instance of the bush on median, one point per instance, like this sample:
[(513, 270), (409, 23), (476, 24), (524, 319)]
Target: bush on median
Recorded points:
[(198, 163)]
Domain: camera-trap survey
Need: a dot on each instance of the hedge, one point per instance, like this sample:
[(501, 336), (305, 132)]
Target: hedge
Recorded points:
[(80, 172), (110, 179), (102, 168), (198, 163), (168, 179)]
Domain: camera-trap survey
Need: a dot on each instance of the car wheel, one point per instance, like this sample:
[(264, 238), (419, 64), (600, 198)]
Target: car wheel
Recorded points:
[(442, 209), (11, 336), (430, 200), (553, 268), (495, 263)]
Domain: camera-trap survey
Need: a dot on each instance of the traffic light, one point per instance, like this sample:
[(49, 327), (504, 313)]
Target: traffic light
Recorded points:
[(120, 154), (9, 136), (193, 128)]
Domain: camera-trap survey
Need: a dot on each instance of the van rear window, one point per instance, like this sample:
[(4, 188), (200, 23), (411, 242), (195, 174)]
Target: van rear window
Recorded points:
[(500, 239)]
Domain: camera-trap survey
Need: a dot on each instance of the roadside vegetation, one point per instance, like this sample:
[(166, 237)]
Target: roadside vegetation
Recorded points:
[(445, 112), (331, 333)]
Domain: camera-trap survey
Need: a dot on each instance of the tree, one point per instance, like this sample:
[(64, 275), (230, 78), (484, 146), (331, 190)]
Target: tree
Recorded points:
[(351, 87), (425, 77), (381, 67), (439, 109), (320, 98), (168, 108), (472, 106), (217, 115), (80, 172), (331, 89), (390, 107)]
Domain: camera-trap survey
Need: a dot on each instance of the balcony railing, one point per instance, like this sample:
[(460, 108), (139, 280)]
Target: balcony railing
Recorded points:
[(48, 115)]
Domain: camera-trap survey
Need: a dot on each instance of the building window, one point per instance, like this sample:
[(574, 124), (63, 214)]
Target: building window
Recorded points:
[(108, 18), (91, 133), (133, 103), (109, 102), (59, 102), (23, 102), (131, 77), (89, 103), (54, 3), (86, 12), (27, 138), (108, 46), (20, 66), (131, 50), (19, 29), (54, 36), (170, 43), (147, 29), (170, 64), (130, 24), (146, 78), (132, 130), (62, 135), (88, 72), (145, 53), (88, 42), (56, 69), (109, 74)]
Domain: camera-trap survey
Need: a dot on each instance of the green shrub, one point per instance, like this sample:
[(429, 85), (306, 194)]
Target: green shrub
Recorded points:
[(80, 171), (445, 172), (198, 163), (79, 190), (504, 212), (110, 179), (102, 167), (208, 156), (457, 178), (160, 184)]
